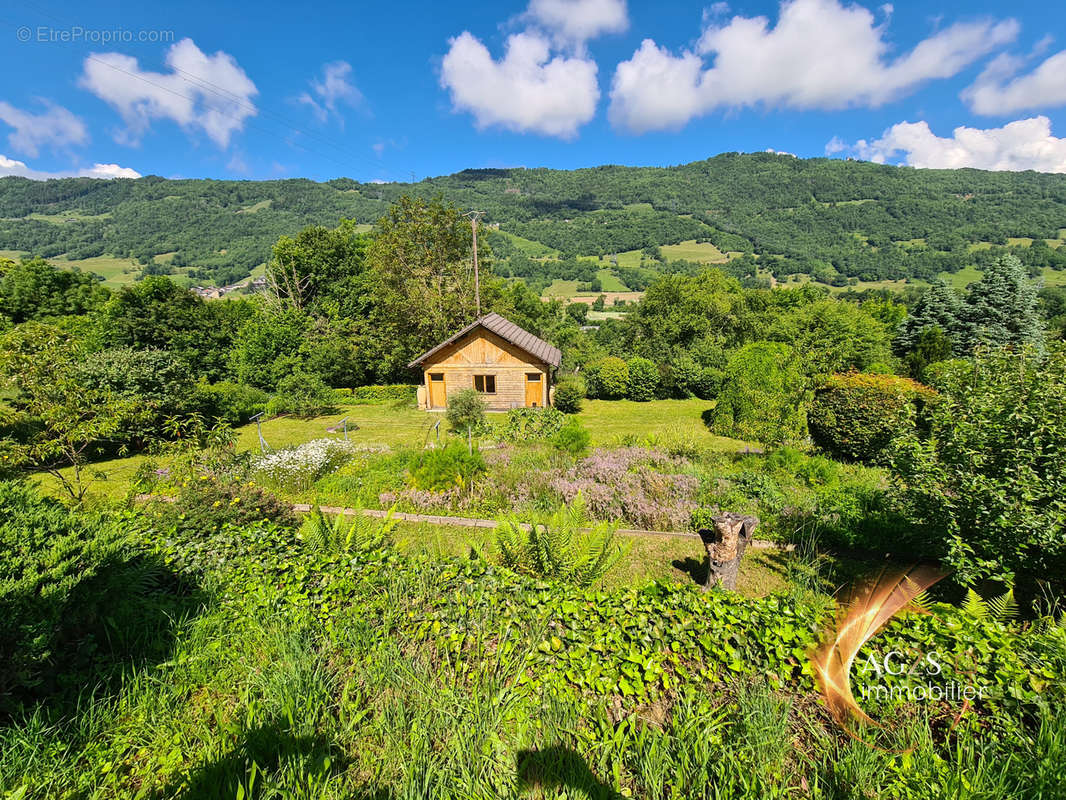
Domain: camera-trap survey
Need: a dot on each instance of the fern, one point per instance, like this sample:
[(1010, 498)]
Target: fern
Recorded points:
[(1001, 608), (974, 605), (359, 534), (559, 548)]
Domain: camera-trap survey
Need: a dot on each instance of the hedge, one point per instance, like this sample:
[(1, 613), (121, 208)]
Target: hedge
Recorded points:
[(384, 394)]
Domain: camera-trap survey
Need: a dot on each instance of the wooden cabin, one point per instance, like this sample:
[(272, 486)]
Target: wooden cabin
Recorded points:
[(508, 366)]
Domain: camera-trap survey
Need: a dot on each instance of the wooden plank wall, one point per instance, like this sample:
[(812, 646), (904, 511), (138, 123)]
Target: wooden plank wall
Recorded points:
[(484, 353)]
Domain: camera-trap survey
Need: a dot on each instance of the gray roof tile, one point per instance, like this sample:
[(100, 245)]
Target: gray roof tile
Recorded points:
[(506, 330)]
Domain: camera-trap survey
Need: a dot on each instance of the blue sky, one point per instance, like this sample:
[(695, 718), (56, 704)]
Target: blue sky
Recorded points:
[(387, 91)]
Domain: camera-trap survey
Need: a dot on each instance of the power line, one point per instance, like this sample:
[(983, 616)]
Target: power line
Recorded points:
[(205, 85)]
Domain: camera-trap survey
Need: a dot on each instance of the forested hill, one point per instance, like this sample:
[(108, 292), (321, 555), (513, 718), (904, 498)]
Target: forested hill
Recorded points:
[(832, 219)]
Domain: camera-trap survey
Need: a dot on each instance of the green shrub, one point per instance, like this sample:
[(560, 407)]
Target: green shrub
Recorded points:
[(854, 416), (559, 549), (987, 486), (449, 467), (608, 378), (230, 402), (708, 383), (466, 411), (207, 503), (572, 438), (390, 393), (347, 533), (643, 379), (569, 393), (303, 395), (684, 378), (57, 578), (763, 395), (530, 424)]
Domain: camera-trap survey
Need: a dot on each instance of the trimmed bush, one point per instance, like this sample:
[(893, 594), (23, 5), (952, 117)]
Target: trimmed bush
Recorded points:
[(394, 392), (230, 402), (608, 378), (854, 416), (569, 393), (643, 379)]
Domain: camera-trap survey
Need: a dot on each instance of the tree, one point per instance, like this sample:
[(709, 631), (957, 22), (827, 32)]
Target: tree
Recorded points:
[(423, 281), (321, 270), (986, 488), (1002, 309), (158, 314), (59, 421), (833, 336), (34, 289), (466, 411), (938, 307), (763, 396)]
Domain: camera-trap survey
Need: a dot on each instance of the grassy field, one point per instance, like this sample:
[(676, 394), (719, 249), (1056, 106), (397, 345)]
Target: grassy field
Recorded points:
[(609, 421), (114, 271)]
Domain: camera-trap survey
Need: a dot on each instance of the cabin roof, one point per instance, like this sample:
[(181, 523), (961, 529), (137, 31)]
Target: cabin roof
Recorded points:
[(506, 330)]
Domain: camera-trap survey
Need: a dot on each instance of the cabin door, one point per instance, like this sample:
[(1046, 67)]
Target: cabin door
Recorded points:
[(534, 390), (438, 398)]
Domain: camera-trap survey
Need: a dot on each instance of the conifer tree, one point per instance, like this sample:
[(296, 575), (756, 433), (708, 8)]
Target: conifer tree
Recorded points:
[(940, 307), (1001, 309)]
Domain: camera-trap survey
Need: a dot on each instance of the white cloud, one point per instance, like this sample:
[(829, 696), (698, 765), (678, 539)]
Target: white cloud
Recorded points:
[(55, 127), (574, 22), (528, 90), (334, 88), (997, 90), (209, 93), (820, 55), (1020, 145), (9, 166)]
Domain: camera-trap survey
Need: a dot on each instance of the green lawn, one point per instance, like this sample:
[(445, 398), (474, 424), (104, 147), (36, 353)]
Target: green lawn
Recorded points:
[(692, 250), (610, 420), (405, 426)]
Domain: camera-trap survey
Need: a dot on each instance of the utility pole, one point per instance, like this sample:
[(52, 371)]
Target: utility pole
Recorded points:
[(474, 217)]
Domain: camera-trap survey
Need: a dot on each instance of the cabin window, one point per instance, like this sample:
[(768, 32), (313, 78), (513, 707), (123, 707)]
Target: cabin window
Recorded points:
[(486, 384), (436, 376)]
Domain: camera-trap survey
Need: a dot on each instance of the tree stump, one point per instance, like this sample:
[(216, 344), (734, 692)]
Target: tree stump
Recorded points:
[(725, 546)]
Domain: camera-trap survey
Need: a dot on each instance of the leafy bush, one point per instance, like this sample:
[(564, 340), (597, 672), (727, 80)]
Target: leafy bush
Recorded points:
[(234, 403), (396, 392), (987, 487), (297, 468), (569, 392), (643, 379), (207, 504), (449, 467), (530, 424), (156, 380), (763, 395), (558, 548), (854, 416), (572, 438), (303, 395), (608, 378), (708, 384), (466, 411)]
